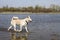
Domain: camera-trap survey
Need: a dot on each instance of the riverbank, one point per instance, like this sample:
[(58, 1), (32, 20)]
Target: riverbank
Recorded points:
[(29, 13)]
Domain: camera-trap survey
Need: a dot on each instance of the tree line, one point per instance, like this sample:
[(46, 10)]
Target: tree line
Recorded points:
[(52, 8)]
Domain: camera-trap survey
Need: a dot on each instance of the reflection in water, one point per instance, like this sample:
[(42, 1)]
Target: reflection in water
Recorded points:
[(19, 36)]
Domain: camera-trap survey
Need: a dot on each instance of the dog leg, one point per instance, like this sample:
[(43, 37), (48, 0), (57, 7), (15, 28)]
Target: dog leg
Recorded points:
[(20, 29), (9, 28), (14, 27), (26, 28)]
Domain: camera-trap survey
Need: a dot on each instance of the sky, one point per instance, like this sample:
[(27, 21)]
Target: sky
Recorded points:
[(26, 3)]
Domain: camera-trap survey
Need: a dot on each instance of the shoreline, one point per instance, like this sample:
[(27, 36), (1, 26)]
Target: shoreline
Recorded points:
[(29, 13)]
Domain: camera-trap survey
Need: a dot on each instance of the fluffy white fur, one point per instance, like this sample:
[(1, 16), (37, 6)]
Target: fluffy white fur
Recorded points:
[(21, 22)]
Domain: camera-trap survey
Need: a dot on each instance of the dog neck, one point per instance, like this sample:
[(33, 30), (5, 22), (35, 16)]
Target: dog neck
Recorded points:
[(26, 22)]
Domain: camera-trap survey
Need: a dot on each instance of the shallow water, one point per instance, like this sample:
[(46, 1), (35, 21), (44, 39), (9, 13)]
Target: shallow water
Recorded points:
[(43, 27)]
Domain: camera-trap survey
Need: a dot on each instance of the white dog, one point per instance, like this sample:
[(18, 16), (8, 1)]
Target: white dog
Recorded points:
[(21, 22)]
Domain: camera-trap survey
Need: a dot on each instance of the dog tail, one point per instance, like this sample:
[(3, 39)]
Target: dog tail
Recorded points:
[(14, 18)]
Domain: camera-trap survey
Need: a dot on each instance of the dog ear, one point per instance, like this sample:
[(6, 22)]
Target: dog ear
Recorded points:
[(28, 16)]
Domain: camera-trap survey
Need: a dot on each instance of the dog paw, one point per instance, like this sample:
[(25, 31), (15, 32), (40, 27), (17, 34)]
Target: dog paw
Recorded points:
[(8, 29)]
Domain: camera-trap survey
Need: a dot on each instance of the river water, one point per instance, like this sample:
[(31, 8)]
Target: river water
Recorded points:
[(43, 27)]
